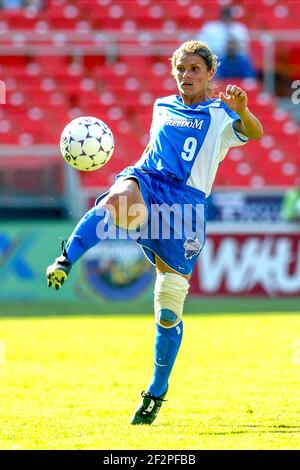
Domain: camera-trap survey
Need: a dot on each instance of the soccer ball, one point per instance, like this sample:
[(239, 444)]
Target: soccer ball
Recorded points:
[(86, 143)]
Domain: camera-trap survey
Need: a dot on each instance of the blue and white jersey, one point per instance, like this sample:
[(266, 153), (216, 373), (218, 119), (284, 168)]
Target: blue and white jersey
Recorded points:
[(189, 142)]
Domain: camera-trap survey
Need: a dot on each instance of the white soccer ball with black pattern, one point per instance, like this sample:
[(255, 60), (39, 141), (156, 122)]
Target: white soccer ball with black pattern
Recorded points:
[(87, 143)]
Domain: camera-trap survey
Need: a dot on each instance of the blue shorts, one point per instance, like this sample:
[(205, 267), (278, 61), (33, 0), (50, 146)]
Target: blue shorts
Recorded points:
[(175, 228)]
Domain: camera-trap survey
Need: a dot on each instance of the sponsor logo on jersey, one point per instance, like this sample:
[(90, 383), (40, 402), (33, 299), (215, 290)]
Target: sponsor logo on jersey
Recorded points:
[(191, 123)]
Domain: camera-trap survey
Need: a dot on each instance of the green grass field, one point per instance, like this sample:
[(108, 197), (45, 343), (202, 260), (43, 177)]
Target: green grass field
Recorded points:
[(74, 382)]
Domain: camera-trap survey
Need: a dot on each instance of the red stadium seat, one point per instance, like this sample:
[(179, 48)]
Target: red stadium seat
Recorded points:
[(45, 92)]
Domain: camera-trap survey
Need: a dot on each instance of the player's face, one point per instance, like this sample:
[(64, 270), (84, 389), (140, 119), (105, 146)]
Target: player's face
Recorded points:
[(192, 78)]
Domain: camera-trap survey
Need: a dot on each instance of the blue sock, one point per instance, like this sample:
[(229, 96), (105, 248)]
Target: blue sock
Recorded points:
[(93, 227), (167, 343)]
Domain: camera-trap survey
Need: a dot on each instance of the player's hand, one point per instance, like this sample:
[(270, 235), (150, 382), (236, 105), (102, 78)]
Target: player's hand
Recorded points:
[(235, 98)]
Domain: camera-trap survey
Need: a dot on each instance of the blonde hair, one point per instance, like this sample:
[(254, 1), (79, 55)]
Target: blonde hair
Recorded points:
[(196, 48)]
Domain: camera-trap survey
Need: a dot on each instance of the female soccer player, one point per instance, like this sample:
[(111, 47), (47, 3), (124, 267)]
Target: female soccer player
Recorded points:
[(190, 136)]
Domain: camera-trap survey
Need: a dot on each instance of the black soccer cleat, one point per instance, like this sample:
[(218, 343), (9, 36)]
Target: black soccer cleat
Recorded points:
[(148, 409), (58, 272)]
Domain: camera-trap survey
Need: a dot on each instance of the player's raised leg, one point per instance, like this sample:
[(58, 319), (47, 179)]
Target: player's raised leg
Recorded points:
[(170, 292), (95, 226)]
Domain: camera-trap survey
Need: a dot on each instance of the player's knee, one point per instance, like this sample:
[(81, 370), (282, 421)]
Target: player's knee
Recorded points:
[(111, 199), (114, 202), (121, 200), (169, 295)]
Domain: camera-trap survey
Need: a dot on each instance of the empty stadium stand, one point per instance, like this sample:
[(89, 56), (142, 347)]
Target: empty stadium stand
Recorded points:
[(44, 91)]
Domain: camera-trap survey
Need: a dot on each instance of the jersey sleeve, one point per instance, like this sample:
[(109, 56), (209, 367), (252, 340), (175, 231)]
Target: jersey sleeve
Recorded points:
[(230, 136)]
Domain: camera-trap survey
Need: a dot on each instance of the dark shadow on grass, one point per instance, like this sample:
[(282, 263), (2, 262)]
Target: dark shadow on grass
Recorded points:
[(253, 428)]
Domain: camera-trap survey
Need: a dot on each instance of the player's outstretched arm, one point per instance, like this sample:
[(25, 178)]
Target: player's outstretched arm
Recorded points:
[(237, 100)]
